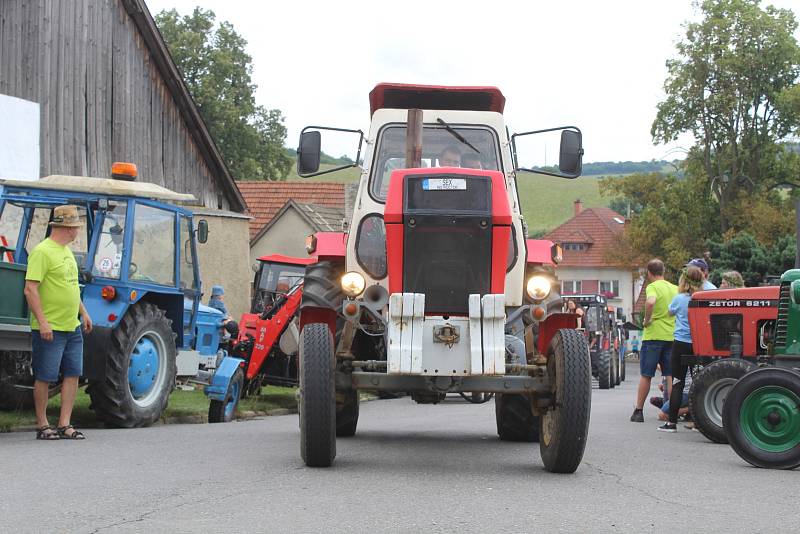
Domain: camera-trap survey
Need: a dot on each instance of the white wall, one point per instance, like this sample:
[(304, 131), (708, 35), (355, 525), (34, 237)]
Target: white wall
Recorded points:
[(19, 139)]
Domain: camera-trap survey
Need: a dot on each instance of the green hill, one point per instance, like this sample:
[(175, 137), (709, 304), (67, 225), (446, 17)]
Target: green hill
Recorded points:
[(546, 201)]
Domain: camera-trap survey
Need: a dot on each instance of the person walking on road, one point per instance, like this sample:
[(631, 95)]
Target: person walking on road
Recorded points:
[(658, 334), (54, 298), (691, 281)]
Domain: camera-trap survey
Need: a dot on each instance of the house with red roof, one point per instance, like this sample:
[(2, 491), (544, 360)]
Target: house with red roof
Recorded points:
[(284, 213), (587, 241)]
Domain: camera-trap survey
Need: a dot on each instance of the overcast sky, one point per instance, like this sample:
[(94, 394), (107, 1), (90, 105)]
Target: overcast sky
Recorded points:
[(597, 65)]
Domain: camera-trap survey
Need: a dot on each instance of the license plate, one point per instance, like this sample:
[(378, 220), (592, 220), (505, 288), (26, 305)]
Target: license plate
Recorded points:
[(444, 184)]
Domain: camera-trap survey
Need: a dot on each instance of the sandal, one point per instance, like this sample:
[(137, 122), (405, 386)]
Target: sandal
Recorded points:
[(47, 433), (75, 434)]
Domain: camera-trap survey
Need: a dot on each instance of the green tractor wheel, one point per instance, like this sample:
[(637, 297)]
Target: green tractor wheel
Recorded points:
[(761, 418)]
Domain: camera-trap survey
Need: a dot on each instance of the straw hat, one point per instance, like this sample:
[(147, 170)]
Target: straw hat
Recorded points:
[(66, 216)]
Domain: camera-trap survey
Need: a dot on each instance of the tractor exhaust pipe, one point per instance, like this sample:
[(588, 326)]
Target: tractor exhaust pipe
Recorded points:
[(414, 139)]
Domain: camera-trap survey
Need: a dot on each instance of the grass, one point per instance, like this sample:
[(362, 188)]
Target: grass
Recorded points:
[(181, 404)]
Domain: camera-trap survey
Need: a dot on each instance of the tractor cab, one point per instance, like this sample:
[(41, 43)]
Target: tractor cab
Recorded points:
[(276, 274), (599, 330)]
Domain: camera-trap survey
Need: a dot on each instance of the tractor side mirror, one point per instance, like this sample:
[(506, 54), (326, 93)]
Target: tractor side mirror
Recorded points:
[(308, 153), (530, 150), (571, 154), (202, 231)]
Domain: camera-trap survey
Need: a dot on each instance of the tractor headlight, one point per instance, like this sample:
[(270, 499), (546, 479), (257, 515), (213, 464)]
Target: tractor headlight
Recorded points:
[(538, 287), (353, 284)]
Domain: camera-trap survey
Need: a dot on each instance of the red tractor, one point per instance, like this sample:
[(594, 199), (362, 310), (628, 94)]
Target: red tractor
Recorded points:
[(433, 291), (268, 335), (732, 331)]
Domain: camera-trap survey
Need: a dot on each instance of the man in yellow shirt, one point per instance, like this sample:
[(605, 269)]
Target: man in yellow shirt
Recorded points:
[(659, 327), (54, 298)]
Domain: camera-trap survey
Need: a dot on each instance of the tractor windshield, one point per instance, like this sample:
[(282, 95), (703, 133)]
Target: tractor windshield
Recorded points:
[(108, 258), (273, 280), (443, 145)]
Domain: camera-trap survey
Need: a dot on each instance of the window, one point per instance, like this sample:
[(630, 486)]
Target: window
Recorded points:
[(108, 258), (571, 287), (436, 140), (575, 246), (187, 265), (10, 220), (153, 258), (609, 287)]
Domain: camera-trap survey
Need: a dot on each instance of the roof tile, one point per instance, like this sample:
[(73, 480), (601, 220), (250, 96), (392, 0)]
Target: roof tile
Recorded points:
[(598, 228)]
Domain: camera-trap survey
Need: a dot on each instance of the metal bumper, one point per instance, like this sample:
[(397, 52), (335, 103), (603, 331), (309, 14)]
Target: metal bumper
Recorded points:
[(443, 384)]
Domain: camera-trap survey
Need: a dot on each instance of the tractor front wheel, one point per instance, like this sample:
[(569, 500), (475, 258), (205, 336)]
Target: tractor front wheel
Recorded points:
[(564, 426), (140, 369), (224, 411), (708, 393), (515, 420), (762, 418), (317, 396)]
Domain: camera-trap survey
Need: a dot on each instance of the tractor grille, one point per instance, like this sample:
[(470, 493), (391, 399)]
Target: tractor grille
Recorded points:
[(447, 249), (783, 315)]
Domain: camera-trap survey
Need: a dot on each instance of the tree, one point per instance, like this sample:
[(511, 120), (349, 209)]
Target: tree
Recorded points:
[(217, 71), (734, 87), (676, 218), (753, 260)]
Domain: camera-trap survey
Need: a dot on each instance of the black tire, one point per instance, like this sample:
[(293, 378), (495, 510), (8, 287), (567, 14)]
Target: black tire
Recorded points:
[(224, 411), (514, 417), (565, 425), (11, 396), (614, 371), (347, 403), (112, 398), (317, 396), (622, 369), (321, 287), (708, 392), (603, 369), (619, 366), (746, 418)]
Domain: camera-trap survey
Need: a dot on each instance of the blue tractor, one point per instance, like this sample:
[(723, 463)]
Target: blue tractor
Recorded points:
[(140, 283)]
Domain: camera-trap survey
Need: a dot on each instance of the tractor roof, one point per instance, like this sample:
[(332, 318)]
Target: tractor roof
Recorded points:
[(406, 96), (291, 260), (101, 186)]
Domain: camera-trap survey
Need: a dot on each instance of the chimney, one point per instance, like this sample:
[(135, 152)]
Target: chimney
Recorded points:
[(578, 206)]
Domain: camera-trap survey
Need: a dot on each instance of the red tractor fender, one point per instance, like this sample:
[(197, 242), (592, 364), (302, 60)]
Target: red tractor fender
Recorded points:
[(553, 323)]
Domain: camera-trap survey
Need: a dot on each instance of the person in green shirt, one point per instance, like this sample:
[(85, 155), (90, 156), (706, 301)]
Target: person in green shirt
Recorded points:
[(657, 339), (54, 298)]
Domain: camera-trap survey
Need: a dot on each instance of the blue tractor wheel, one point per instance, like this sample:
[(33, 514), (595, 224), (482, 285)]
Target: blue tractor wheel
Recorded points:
[(140, 369), (224, 411)]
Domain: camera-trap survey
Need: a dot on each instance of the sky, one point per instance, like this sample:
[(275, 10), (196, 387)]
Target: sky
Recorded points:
[(596, 65)]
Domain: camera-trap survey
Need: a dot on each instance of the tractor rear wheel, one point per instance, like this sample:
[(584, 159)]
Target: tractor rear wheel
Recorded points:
[(317, 396), (614, 361), (564, 426), (622, 369), (224, 411), (708, 392), (140, 369), (762, 418), (603, 369), (346, 413), (515, 420)]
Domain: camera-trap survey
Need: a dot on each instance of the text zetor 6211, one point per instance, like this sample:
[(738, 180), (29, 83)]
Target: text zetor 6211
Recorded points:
[(434, 287)]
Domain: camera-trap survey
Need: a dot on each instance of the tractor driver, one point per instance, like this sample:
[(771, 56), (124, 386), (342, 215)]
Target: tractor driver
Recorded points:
[(450, 157), (471, 160)]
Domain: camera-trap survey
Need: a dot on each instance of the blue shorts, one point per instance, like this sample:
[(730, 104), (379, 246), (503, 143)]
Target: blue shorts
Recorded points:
[(684, 403), (652, 354), (64, 353)]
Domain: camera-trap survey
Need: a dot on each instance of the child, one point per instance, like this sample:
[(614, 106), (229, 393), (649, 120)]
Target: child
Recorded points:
[(691, 281)]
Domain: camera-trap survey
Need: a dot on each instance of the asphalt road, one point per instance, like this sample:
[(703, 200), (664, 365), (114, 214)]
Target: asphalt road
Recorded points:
[(410, 468)]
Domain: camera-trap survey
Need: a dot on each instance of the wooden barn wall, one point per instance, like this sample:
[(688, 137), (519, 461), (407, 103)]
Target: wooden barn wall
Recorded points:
[(102, 99)]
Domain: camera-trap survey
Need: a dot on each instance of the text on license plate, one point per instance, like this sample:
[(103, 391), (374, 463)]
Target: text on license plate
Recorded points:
[(444, 184)]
